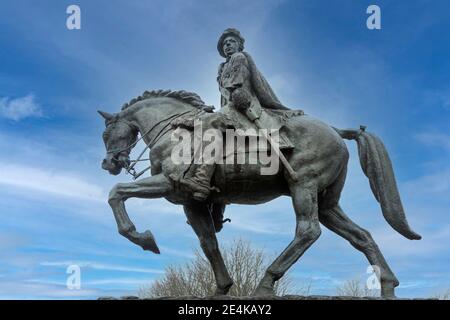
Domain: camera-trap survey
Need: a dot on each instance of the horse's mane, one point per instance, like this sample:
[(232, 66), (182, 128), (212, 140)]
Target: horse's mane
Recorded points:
[(185, 96)]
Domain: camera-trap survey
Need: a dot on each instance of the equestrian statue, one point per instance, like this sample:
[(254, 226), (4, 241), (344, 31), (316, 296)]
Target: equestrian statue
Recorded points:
[(313, 161)]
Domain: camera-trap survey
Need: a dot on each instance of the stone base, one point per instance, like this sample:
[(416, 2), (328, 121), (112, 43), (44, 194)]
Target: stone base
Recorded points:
[(287, 297)]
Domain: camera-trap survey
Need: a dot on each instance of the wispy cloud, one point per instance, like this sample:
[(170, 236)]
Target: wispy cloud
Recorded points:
[(257, 227), (90, 283), (178, 253), (117, 281), (275, 218), (434, 184), (30, 290), (416, 284), (19, 108), (100, 266), (434, 139), (432, 242), (49, 181)]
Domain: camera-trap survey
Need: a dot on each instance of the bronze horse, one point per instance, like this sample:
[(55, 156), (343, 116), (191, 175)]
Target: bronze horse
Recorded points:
[(319, 160)]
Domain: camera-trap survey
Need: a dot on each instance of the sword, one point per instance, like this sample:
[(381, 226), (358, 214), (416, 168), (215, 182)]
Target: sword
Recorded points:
[(255, 119)]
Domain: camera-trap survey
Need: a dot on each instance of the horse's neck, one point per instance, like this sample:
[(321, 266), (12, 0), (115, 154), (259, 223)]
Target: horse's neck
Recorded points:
[(153, 115)]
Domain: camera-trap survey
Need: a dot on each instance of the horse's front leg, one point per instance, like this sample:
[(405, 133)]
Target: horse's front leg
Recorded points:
[(153, 187)]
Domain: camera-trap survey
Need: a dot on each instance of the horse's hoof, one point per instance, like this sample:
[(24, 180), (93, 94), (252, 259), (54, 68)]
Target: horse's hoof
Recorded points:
[(263, 291), (388, 291), (148, 242), (224, 290), (220, 292)]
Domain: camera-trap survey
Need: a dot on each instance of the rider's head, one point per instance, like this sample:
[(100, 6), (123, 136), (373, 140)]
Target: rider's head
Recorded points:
[(230, 42)]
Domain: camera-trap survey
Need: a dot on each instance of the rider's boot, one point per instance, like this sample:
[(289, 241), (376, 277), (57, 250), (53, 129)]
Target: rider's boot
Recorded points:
[(199, 183)]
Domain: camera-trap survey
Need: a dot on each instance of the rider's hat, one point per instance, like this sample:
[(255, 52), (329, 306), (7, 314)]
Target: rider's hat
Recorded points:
[(229, 32)]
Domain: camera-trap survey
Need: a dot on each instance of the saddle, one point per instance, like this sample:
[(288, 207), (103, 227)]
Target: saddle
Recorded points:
[(271, 119), (240, 159)]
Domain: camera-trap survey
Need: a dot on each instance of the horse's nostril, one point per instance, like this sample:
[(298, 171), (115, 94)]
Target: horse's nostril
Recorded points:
[(105, 164)]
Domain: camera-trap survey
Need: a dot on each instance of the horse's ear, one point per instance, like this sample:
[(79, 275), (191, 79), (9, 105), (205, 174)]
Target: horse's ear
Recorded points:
[(107, 116)]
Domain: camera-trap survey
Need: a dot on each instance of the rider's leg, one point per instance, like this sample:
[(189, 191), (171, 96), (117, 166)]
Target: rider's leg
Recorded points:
[(199, 181)]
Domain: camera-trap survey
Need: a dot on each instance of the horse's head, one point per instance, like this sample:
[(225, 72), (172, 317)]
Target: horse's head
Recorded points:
[(119, 138)]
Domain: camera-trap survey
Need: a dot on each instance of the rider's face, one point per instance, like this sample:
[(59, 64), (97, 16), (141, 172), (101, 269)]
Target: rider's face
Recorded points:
[(230, 45)]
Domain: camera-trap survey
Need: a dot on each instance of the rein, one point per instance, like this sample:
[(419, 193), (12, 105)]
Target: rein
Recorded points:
[(130, 168)]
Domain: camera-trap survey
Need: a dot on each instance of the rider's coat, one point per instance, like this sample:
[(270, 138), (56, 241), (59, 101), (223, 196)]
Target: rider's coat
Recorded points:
[(239, 71)]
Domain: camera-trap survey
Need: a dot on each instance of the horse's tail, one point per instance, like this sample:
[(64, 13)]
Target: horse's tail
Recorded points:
[(377, 166)]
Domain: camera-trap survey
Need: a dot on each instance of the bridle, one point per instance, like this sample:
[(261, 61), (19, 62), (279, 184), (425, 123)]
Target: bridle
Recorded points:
[(129, 167)]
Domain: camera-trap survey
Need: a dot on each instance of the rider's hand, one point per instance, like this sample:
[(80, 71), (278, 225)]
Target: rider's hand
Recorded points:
[(241, 99), (208, 109)]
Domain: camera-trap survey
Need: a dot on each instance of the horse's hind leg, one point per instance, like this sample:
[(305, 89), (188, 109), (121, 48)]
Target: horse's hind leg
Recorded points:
[(153, 187), (332, 217), (337, 221), (200, 219), (307, 231)]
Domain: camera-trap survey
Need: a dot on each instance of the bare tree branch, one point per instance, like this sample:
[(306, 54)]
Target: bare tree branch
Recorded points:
[(246, 265), (356, 288)]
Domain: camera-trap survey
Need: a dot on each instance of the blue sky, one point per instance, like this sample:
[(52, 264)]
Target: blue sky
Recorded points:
[(318, 56)]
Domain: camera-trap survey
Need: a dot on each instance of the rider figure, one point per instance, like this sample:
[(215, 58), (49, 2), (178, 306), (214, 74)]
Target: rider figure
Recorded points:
[(244, 94)]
